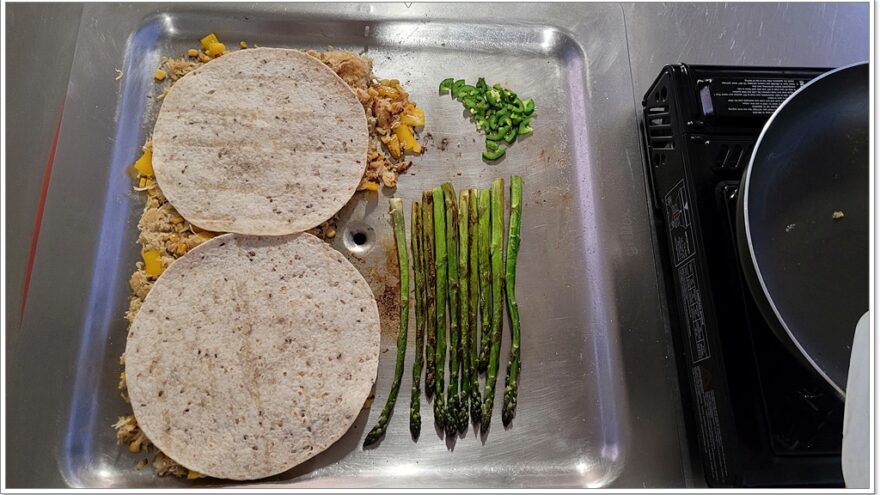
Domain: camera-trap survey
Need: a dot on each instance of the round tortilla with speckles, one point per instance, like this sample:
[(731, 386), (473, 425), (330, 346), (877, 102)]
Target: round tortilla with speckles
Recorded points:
[(263, 141), (251, 355)]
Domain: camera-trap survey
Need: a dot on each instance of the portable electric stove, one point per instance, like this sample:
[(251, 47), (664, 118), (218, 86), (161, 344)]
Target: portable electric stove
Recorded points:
[(759, 416)]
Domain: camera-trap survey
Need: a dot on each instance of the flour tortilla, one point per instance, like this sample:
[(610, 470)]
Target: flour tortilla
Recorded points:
[(264, 141), (251, 355)]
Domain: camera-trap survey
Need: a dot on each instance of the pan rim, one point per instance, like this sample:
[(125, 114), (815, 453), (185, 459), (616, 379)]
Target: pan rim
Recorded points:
[(747, 223)]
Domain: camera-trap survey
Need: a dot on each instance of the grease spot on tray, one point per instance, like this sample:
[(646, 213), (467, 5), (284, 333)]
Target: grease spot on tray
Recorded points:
[(383, 275)]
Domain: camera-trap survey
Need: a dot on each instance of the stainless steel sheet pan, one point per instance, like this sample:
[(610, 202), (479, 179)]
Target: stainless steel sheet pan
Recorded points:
[(598, 404)]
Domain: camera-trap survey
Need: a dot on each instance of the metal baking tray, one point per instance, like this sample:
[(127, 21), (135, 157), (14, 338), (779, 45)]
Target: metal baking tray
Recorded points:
[(597, 400)]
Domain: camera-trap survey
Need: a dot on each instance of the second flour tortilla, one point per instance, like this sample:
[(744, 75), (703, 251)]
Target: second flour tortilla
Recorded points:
[(264, 141), (251, 355)]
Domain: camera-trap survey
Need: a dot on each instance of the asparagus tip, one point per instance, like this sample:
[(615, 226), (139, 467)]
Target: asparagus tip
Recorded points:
[(509, 410), (475, 410), (415, 425), (373, 435), (485, 417), (506, 417), (507, 413), (452, 415), (462, 419), (484, 425), (439, 414)]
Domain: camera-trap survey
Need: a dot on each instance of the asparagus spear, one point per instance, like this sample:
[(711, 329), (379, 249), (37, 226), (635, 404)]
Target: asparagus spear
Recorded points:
[(497, 252), (513, 239), (485, 279), (440, 268), (474, 303), (453, 402), (464, 307), (430, 289), (396, 207), (416, 240)]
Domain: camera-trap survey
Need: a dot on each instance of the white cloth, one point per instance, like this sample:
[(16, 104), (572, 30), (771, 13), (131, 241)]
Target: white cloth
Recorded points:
[(856, 448)]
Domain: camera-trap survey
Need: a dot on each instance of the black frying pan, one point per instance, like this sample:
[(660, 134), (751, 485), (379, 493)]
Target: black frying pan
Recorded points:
[(807, 270)]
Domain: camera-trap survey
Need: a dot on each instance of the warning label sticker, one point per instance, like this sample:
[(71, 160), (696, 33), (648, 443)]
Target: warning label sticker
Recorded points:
[(694, 317), (679, 223), (709, 426), (747, 97)]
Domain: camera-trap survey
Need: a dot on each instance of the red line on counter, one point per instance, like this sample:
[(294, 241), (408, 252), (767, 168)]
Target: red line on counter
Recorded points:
[(38, 220)]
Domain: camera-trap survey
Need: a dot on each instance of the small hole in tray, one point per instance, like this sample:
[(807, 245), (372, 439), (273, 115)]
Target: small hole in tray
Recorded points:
[(359, 238)]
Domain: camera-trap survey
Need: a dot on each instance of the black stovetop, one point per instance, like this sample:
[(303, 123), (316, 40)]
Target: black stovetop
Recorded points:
[(759, 415)]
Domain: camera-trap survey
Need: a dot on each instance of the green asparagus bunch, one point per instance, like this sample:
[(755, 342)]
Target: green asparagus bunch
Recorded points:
[(459, 260)]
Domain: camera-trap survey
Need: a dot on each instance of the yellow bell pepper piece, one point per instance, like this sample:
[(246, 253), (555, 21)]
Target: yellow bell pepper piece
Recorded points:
[(391, 83), (144, 164), (208, 40), (413, 118), (215, 49), (152, 263), (368, 186), (389, 92), (405, 135), (160, 75), (394, 147), (393, 144)]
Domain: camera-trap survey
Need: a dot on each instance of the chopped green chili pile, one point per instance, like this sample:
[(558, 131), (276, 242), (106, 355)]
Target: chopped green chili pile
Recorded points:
[(497, 111)]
